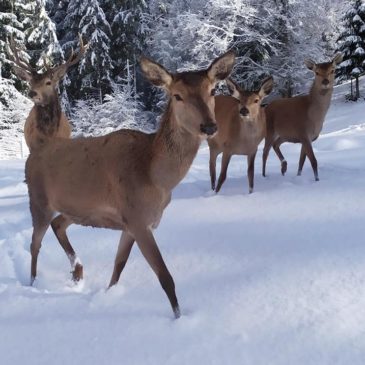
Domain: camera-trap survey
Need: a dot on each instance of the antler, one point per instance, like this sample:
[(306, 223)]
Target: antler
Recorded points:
[(16, 58), (45, 63), (62, 69), (83, 48)]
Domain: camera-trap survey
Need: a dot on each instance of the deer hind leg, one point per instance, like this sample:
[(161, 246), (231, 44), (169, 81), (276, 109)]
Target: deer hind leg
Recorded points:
[(59, 226), (307, 145), (251, 170), (150, 251), (223, 174), (125, 245), (301, 160), (41, 220), (276, 147), (212, 165)]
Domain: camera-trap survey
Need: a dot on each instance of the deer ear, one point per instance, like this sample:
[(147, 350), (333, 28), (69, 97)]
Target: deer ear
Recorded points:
[(22, 74), (59, 72), (266, 87), (310, 64), (233, 88), (221, 67), (337, 58), (155, 73)]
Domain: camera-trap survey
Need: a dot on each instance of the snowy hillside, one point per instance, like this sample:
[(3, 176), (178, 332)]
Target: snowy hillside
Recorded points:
[(275, 277), (12, 119)]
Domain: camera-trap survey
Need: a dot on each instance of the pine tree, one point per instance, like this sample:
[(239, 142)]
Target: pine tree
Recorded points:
[(92, 77), (129, 31), (41, 38), (11, 24), (352, 44)]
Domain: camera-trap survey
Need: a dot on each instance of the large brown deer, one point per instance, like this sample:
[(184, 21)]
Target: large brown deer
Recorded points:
[(46, 119), (241, 127), (124, 180), (300, 119)]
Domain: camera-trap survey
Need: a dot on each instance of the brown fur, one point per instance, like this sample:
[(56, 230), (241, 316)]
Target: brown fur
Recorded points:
[(300, 119), (238, 134), (124, 180), (38, 127)]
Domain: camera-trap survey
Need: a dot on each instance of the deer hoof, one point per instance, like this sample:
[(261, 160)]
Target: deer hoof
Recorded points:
[(77, 273), (177, 312), (32, 280), (284, 166)]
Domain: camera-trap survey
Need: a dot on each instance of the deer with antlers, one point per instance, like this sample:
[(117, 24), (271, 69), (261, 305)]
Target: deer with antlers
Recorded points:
[(45, 120), (300, 119), (124, 180), (241, 128)]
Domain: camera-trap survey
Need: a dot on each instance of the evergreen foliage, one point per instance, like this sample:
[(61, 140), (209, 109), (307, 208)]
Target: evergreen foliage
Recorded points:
[(352, 44)]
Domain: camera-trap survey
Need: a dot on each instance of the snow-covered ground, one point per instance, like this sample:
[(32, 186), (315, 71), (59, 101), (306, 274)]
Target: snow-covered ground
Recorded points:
[(275, 277)]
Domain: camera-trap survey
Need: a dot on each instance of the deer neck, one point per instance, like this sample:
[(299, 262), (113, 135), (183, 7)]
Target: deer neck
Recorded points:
[(320, 98), (261, 120), (49, 116), (173, 151)]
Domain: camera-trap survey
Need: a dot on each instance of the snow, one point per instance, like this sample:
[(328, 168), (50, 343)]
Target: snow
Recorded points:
[(275, 277)]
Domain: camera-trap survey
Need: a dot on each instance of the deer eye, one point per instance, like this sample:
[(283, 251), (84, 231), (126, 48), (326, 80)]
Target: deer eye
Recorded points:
[(256, 101), (212, 93), (317, 73), (178, 97), (48, 82)]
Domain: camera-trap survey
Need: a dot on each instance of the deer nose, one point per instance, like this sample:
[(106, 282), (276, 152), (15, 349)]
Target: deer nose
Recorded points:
[(208, 128), (244, 111), (32, 94), (325, 82)]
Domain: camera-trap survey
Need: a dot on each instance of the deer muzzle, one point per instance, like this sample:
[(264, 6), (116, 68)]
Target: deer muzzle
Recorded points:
[(208, 128)]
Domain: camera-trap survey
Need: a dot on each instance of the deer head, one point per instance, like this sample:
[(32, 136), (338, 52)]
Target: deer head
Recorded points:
[(250, 101), (191, 93), (325, 72), (43, 86)]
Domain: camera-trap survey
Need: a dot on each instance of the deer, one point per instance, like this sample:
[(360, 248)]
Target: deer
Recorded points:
[(300, 119), (123, 180), (46, 119), (241, 128)]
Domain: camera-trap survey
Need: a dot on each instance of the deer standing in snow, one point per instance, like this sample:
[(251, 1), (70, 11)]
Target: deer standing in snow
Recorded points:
[(45, 120), (300, 119), (241, 128), (123, 180)]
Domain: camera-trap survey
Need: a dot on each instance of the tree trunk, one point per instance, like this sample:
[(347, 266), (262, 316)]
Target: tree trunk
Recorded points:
[(357, 88)]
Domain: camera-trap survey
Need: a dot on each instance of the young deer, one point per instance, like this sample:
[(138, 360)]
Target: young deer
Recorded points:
[(241, 128), (300, 119), (124, 180), (45, 120)]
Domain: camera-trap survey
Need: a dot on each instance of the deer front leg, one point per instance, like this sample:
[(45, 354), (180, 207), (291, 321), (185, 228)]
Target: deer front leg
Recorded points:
[(59, 226), (151, 253), (125, 245), (307, 145), (251, 170), (41, 219), (223, 174), (212, 166), (301, 161)]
